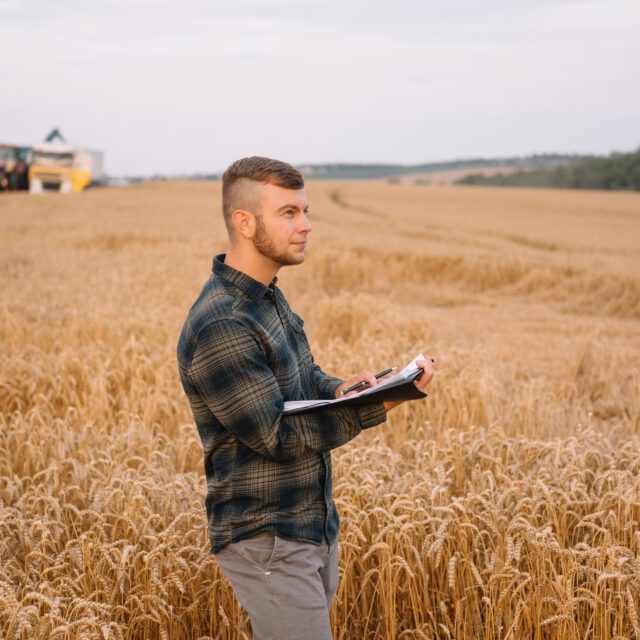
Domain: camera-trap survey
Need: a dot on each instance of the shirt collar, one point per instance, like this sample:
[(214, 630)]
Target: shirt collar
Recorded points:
[(254, 289)]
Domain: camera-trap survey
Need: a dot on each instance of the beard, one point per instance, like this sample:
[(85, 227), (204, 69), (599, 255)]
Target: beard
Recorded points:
[(264, 245)]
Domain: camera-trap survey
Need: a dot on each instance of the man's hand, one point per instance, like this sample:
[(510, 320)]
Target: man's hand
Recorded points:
[(427, 375), (421, 383), (368, 376), (363, 376)]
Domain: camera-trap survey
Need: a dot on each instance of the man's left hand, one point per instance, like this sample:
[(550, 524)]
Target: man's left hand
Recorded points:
[(421, 383), (427, 374)]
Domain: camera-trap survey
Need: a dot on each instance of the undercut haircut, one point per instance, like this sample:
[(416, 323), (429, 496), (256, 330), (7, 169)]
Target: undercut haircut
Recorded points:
[(256, 169)]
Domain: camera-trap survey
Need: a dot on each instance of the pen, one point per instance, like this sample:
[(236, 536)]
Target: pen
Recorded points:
[(362, 383)]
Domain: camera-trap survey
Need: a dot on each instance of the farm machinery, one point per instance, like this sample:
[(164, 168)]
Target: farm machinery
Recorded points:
[(14, 167), (58, 166)]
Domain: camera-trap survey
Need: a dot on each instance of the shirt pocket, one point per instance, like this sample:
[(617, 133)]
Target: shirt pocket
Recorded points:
[(304, 350)]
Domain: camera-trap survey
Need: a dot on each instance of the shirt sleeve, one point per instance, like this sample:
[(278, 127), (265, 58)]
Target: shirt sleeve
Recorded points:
[(325, 383), (229, 370)]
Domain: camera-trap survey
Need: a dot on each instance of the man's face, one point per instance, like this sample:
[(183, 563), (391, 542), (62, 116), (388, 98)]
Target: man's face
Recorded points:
[(282, 225)]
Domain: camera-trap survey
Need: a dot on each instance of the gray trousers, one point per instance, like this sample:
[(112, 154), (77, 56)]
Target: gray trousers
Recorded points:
[(286, 586)]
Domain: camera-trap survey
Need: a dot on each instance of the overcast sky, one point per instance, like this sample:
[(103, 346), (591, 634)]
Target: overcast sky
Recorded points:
[(190, 86)]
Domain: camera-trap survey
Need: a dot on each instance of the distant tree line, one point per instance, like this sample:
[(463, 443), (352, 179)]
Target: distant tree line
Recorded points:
[(619, 171), (346, 171)]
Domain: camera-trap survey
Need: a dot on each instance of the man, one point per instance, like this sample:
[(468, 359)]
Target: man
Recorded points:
[(242, 353)]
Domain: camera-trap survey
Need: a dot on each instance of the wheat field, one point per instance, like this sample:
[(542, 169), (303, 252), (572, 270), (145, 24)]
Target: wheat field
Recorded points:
[(505, 505)]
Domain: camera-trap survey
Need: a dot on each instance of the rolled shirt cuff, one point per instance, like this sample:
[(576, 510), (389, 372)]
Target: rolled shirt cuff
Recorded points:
[(327, 387), (371, 414)]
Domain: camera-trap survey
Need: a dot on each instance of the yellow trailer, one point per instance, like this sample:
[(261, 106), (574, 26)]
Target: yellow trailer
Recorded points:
[(60, 167)]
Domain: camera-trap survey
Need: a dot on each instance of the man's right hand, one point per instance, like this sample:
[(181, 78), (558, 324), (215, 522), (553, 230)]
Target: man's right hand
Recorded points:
[(368, 376), (363, 376)]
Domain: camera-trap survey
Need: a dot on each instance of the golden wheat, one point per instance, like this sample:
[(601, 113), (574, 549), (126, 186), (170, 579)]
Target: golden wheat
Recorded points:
[(504, 506)]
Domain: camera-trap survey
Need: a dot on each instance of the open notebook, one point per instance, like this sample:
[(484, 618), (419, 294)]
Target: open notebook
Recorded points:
[(397, 387)]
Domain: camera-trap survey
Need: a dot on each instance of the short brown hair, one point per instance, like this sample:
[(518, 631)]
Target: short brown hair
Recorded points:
[(258, 169)]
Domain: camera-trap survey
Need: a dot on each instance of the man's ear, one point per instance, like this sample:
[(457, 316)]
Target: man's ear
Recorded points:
[(244, 222)]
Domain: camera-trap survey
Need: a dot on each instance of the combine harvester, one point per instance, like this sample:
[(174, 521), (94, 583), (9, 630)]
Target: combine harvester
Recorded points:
[(58, 166)]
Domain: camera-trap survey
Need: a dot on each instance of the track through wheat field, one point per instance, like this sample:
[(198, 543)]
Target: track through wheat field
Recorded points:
[(505, 505)]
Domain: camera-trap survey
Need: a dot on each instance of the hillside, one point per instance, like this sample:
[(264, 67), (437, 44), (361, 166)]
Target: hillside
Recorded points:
[(345, 171), (617, 172)]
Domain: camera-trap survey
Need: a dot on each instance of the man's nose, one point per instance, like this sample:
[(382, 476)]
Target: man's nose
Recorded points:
[(306, 226)]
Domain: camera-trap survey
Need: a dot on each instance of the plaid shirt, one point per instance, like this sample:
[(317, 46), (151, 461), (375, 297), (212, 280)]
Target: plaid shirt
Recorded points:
[(241, 354)]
